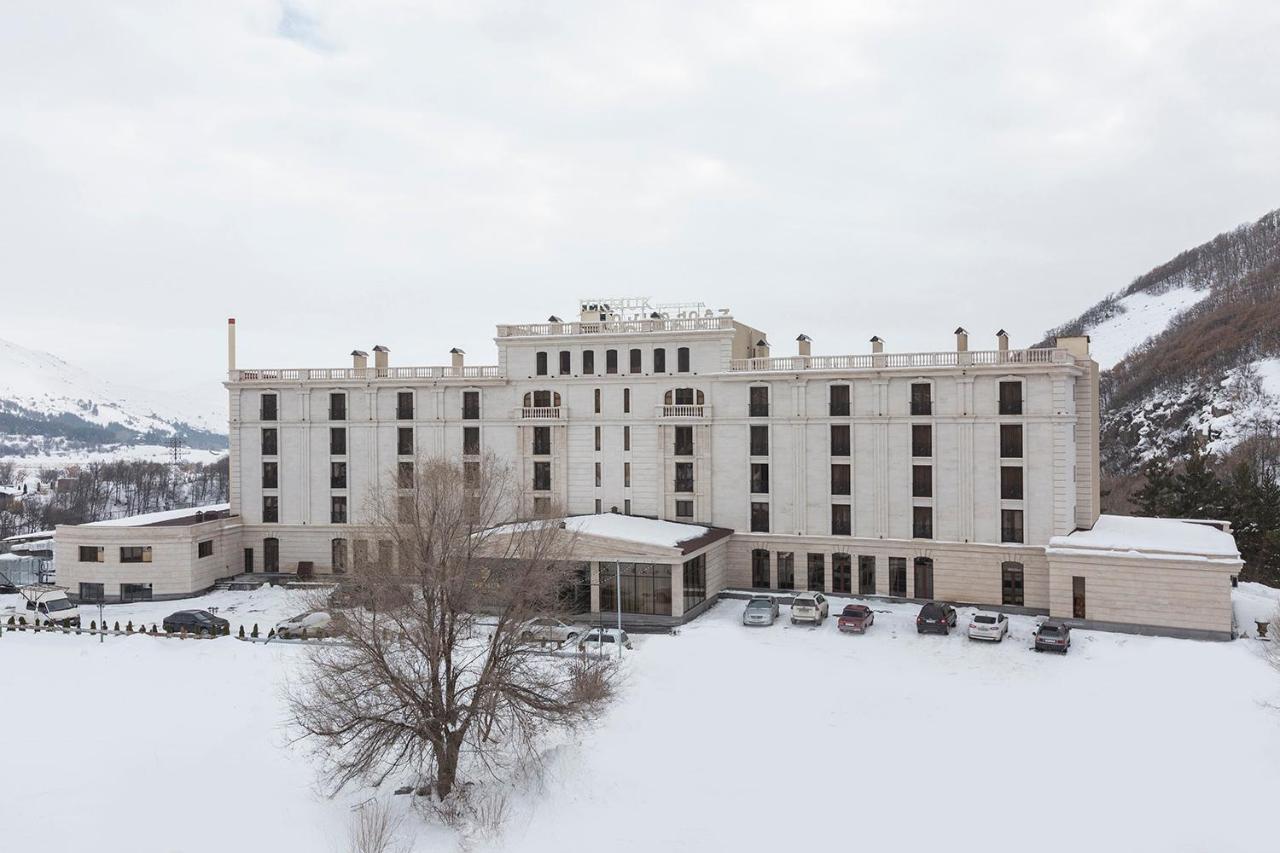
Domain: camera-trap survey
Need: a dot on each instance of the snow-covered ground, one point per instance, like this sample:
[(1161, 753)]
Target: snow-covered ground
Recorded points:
[(111, 453), (725, 738), (1143, 315)]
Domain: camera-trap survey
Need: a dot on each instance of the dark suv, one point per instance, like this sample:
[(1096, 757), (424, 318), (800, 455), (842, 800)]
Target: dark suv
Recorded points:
[(1053, 635), (936, 618), (196, 622)]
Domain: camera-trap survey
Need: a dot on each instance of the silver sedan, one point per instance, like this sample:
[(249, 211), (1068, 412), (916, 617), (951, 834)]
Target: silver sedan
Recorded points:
[(761, 610)]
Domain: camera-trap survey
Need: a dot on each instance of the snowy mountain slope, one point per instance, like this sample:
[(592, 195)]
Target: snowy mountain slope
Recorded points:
[(53, 405), (1190, 349)]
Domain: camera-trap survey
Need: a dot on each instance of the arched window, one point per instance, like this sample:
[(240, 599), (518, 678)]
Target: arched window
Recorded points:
[(683, 397), (271, 554), (759, 568), (338, 549), (541, 399), (1011, 579)]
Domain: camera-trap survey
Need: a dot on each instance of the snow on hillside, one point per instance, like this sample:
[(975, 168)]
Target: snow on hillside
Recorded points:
[(59, 456), (1138, 317), (44, 383)]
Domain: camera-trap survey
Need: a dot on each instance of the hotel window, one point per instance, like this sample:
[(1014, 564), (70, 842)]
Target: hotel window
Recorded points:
[(838, 404), (404, 472), (92, 593), (1010, 525), (270, 409), (404, 441), (921, 398), (922, 522), (597, 400), (271, 554), (684, 477), (659, 360), (270, 475), (839, 439), (817, 565), (270, 446), (786, 570), (338, 554), (626, 401), (866, 575), (91, 554), (597, 432), (337, 475), (270, 509), (1010, 441), (841, 520), (542, 476), (1011, 483), (626, 438), (405, 509), (471, 405), (841, 574), (635, 361), (130, 592), (470, 474), (760, 478), (542, 441), (1011, 398), (337, 406), (611, 361), (695, 582), (759, 568), (471, 441), (758, 401), (599, 508), (404, 405), (682, 360), (759, 440), (921, 481), (684, 441), (542, 507), (135, 554), (684, 509), (626, 506), (626, 478), (541, 399), (338, 509), (598, 472), (540, 367), (840, 480), (1011, 576), (922, 440), (646, 587), (588, 362), (898, 577), (759, 517), (565, 367), (337, 440)]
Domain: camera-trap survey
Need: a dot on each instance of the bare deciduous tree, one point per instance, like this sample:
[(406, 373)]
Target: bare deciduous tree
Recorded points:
[(432, 677)]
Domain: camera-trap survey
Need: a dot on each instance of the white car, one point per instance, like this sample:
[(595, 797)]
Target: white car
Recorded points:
[(549, 631), (316, 623), (809, 607), (988, 625), (605, 641)]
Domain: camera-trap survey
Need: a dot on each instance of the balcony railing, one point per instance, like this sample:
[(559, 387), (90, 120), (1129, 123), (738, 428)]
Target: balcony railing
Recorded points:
[(541, 412), (331, 374), (680, 324), (875, 361), (684, 411)]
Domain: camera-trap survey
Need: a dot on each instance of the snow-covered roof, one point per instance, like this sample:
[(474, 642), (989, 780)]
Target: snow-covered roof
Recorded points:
[(1134, 536), (28, 537), (166, 517), (637, 530)]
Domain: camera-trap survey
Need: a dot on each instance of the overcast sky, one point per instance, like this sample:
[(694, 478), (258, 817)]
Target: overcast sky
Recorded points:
[(343, 174)]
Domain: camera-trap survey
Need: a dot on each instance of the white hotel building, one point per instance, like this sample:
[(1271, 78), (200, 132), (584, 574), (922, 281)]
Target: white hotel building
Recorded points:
[(969, 475)]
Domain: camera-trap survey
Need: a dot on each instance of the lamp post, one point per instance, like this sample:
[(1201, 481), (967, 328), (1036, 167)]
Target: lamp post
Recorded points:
[(617, 597)]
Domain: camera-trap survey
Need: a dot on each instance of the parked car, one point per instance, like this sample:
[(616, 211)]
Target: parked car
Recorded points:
[(196, 622), (856, 618), (760, 610), (52, 605), (548, 630), (936, 618), (809, 607), (1053, 635), (606, 641), (316, 623), (986, 625)]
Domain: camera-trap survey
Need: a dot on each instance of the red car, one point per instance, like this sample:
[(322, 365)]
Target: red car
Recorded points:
[(856, 617)]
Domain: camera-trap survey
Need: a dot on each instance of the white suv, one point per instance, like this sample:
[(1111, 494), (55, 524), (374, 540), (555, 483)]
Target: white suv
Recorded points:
[(809, 607), (988, 625)]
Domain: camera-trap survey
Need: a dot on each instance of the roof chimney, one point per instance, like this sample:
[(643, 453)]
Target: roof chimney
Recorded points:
[(1002, 340), (231, 344), (359, 359), (380, 354), (877, 344), (805, 344), (457, 355), (962, 339)]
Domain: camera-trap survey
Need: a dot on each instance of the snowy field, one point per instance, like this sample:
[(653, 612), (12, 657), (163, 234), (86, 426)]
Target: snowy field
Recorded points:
[(725, 738)]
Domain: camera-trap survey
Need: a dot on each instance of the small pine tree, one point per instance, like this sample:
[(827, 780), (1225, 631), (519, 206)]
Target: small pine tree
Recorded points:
[(128, 627), (1156, 497), (272, 634), (254, 632), (1199, 493), (93, 625), (117, 627), (241, 634)]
